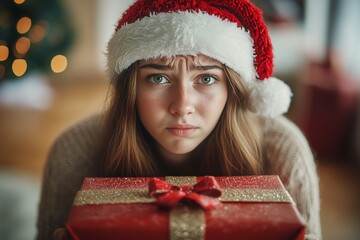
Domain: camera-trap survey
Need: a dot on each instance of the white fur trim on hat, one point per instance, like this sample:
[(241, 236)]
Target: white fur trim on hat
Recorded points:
[(270, 97), (182, 33)]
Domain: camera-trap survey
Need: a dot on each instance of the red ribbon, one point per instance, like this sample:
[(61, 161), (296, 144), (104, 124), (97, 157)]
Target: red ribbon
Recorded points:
[(205, 193)]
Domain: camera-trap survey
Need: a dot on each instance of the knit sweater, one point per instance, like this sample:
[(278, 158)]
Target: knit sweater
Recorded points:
[(73, 157)]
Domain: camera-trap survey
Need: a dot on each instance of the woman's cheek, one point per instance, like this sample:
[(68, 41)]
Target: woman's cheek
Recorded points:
[(149, 106)]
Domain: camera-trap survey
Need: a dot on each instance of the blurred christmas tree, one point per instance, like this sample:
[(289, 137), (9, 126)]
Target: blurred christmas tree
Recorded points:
[(34, 36)]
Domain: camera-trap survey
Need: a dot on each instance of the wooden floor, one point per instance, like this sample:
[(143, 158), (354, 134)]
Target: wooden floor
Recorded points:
[(26, 135)]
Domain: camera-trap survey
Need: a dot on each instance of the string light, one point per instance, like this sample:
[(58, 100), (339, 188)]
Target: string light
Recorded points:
[(59, 63), (37, 32), (19, 67), (24, 49), (19, 1), (23, 25), (4, 52), (22, 45)]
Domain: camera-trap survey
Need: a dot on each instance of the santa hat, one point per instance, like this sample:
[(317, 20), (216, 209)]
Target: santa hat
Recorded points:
[(230, 31)]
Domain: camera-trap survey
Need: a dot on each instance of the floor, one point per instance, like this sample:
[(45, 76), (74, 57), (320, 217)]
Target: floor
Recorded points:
[(26, 135)]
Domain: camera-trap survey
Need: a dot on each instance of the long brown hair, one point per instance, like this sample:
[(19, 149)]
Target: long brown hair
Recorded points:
[(233, 148)]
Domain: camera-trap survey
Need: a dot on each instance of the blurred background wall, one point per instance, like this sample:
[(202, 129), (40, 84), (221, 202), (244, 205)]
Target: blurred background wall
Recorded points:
[(316, 52)]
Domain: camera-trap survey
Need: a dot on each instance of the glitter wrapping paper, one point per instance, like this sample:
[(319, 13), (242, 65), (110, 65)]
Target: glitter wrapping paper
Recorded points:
[(252, 207)]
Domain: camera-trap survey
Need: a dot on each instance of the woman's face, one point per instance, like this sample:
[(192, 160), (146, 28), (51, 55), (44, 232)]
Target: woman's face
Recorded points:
[(179, 101)]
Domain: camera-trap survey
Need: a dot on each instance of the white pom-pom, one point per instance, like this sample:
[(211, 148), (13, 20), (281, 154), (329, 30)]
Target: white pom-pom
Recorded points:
[(269, 97)]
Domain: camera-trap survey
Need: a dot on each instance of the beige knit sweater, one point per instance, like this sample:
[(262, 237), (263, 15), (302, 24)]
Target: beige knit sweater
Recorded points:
[(72, 158)]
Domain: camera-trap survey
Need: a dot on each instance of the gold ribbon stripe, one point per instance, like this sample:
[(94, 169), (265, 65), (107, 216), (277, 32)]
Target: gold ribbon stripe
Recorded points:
[(112, 196), (140, 195), (187, 223), (181, 181), (255, 195)]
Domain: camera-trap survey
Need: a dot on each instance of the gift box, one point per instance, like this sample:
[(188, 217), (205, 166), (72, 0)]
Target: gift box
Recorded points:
[(245, 207)]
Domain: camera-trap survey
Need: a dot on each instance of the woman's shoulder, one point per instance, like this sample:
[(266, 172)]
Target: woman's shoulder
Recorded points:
[(91, 125), (280, 123), (82, 132), (281, 128), (283, 139), (77, 144)]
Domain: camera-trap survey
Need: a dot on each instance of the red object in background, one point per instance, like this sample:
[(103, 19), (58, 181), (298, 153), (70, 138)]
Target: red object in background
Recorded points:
[(331, 101), (97, 218)]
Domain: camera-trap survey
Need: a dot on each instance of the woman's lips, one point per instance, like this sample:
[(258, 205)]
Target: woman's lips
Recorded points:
[(182, 131)]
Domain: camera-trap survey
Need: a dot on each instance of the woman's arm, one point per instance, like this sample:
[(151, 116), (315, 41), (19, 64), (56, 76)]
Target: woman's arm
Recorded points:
[(290, 157), (71, 159)]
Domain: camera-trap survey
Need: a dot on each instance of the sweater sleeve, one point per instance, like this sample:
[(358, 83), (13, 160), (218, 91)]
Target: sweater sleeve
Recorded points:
[(71, 158), (290, 157)]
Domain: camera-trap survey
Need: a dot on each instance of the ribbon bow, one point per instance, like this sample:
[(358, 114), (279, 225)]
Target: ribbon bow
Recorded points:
[(205, 193)]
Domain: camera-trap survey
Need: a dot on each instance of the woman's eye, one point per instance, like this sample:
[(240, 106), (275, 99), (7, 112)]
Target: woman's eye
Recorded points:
[(207, 80), (158, 79)]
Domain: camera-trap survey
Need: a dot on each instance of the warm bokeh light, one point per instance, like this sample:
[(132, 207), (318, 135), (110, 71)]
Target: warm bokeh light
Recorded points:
[(4, 52), (23, 25), (2, 71), (22, 45), (59, 63), (37, 32), (19, 67), (19, 1)]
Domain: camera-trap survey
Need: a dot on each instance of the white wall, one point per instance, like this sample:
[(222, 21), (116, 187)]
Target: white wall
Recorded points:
[(108, 12), (316, 24), (82, 53), (347, 35), (94, 22), (288, 48)]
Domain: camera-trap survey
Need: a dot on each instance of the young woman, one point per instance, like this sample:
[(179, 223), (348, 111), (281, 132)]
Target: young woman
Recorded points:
[(193, 94)]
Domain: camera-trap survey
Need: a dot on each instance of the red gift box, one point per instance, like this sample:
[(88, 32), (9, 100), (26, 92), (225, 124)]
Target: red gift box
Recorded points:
[(251, 207)]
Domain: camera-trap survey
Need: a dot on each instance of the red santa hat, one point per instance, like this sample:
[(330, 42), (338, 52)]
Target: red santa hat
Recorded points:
[(230, 31)]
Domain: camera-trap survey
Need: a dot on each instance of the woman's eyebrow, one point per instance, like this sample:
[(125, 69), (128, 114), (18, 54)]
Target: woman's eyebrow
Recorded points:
[(156, 66), (205, 67), (168, 67)]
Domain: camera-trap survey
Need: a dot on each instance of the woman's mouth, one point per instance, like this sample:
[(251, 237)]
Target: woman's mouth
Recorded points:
[(183, 130)]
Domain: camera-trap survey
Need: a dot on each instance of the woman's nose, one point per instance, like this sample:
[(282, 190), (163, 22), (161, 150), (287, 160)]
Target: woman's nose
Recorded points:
[(182, 101)]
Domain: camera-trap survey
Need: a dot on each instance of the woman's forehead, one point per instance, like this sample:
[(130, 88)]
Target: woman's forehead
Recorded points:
[(198, 60)]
